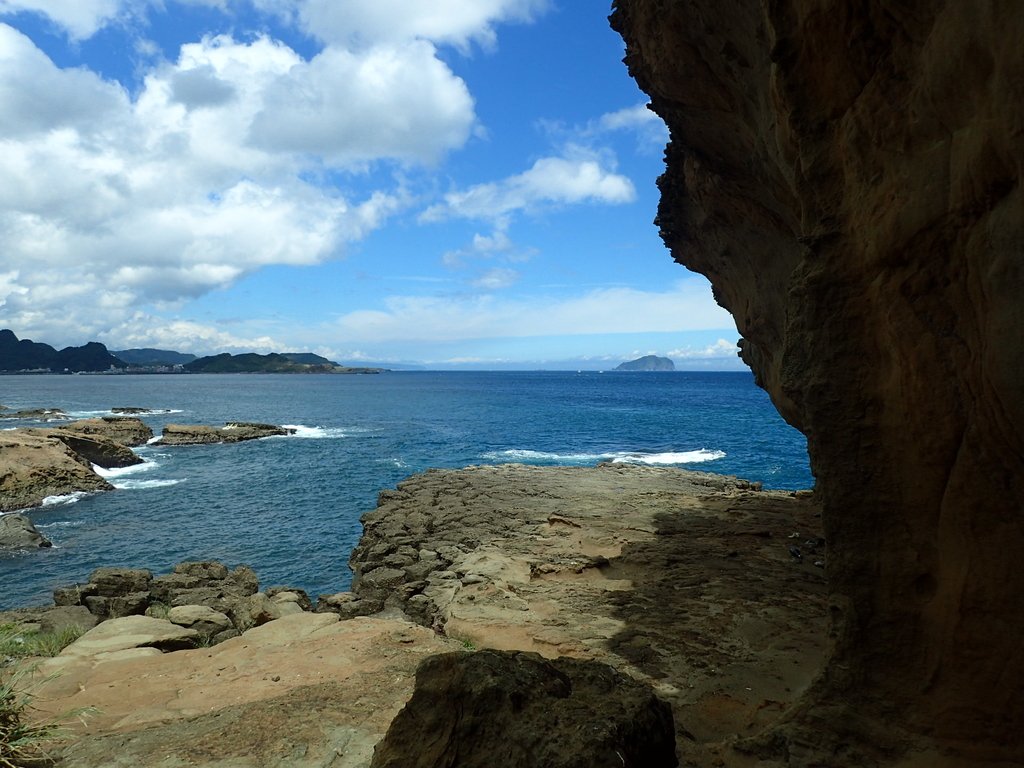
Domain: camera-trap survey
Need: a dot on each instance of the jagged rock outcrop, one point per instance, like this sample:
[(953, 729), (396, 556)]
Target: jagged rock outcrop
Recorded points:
[(232, 432), (34, 466), (508, 709), (848, 176), (38, 462)]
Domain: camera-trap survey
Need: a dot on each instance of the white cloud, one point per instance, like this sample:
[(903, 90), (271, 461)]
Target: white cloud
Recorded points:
[(184, 336), (686, 306), (721, 348), (118, 203), (398, 102), (550, 181), (81, 18), (496, 279), (358, 23)]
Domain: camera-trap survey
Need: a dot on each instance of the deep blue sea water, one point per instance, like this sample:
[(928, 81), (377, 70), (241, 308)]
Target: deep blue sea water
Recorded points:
[(290, 507)]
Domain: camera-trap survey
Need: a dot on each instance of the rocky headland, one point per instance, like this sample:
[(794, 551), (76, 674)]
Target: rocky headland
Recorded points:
[(691, 589)]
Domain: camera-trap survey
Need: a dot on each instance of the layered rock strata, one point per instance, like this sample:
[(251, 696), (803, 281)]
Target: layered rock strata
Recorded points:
[(848, 177)]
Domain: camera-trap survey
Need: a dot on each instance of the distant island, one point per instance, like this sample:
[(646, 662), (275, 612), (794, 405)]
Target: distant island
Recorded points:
[(647, 363), (275, 362), (27, 356)]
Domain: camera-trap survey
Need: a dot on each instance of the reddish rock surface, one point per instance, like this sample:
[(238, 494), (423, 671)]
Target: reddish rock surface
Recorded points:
[(847, 175)]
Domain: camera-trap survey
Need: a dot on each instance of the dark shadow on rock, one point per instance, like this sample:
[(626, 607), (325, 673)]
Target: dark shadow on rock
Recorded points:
[(510, 709)]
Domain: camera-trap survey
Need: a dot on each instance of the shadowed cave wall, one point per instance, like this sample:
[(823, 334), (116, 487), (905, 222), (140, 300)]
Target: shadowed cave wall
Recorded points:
[(847, 175)]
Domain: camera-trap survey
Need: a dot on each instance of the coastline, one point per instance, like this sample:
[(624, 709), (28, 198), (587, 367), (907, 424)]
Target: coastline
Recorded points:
[(681, 580)]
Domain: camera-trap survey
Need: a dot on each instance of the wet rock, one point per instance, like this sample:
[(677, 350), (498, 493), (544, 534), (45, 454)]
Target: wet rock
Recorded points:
[(508, 709), (232, 432), (17, 532)]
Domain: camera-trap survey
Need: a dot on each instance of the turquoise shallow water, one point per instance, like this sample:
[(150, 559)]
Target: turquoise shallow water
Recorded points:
[(290, 507)]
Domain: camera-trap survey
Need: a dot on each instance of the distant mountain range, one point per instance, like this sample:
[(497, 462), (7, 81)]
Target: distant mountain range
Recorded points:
[(26, 355), (647, 363)]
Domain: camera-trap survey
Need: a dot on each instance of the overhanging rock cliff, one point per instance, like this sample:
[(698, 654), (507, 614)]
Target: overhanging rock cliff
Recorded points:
[(847, 175)]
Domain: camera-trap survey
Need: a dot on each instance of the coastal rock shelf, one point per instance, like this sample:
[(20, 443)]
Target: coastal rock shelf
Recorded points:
[(232, 432), (685, 582)]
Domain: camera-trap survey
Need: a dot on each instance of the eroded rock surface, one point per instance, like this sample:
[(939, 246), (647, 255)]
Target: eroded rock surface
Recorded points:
[(34, 466), (848, 176), (232, 432), (680, 579), (304, 691)]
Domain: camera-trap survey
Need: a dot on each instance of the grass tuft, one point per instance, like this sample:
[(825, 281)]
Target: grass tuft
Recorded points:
[(18, 644)]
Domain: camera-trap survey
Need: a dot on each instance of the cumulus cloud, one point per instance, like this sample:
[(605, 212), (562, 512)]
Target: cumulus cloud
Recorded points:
[(118, 202), (399, 102), (359, 23), (686, 306), (551, 180)]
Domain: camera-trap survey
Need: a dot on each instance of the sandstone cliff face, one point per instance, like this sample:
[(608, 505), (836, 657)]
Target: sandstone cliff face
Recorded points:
[(847, 175)]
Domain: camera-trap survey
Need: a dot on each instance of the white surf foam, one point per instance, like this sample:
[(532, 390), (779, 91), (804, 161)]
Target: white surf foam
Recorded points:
[(146, 466), (618, 457), (66, 498), (317, 433), (134, 485), (671, 457)]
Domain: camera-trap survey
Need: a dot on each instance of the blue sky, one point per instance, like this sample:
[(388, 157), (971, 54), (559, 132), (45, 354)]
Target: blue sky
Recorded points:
[(455, 183)]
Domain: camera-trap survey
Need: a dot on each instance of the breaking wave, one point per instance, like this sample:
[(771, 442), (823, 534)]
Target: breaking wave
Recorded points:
[(617, 457)]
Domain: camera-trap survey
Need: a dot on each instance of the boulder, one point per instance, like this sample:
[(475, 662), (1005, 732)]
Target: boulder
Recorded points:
[(17, 532), (255, 611), (203, 619), (132, 632), (510, 709), (113, 582)]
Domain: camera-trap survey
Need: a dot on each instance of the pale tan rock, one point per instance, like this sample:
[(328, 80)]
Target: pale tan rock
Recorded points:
[(132, 632), (201, 618), (304, 691), (34, 466)]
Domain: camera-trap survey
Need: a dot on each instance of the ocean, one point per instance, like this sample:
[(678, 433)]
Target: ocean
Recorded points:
[(290, 506)]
